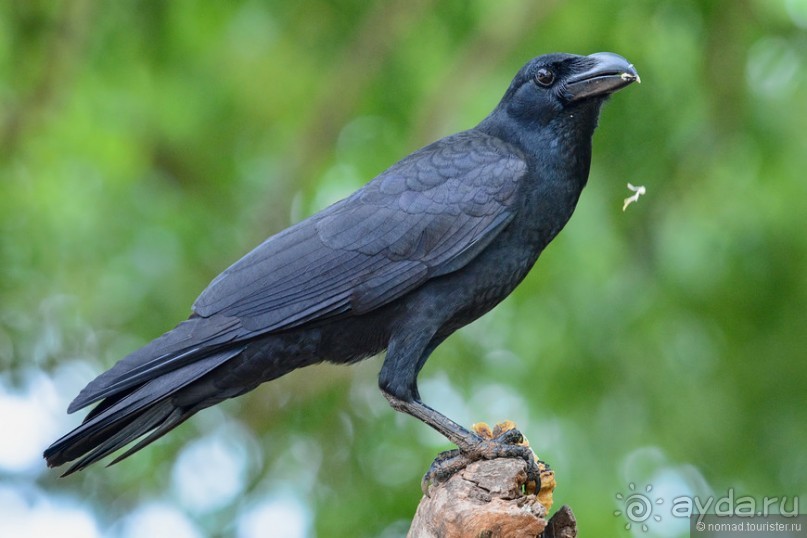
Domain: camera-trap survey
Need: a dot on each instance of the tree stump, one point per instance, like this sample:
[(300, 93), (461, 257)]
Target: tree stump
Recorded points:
[(486, 500)]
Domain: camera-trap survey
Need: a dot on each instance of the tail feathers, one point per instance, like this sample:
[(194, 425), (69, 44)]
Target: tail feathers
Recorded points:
[(176, 348), (147, 409), (154, 417)]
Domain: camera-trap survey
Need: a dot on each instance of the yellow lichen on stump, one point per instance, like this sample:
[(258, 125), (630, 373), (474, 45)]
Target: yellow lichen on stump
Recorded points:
[(548, 482)]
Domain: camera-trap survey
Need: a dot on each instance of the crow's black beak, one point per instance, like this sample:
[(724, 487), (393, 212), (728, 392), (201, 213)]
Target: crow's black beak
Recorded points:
[(608, 72)]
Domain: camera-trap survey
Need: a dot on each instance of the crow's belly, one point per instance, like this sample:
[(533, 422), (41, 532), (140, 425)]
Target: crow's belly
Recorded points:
[(474, 290)]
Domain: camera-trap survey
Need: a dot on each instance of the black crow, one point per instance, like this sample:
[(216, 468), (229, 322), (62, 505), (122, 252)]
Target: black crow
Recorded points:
[(428, 246)]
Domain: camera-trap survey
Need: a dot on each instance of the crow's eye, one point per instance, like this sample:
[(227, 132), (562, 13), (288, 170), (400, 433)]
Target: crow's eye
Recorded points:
[(544, 77)]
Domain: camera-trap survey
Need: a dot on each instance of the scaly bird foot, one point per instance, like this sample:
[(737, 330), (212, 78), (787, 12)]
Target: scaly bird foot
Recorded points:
[(504, 441)]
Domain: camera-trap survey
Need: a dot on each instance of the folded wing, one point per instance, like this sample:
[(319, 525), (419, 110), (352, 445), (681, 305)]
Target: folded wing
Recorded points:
[(428, 215)]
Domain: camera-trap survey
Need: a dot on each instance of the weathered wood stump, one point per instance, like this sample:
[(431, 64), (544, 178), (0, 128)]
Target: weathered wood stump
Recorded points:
[(486, 499)]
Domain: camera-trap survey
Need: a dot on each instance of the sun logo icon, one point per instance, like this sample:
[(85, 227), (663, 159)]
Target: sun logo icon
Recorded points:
[(638, 507)]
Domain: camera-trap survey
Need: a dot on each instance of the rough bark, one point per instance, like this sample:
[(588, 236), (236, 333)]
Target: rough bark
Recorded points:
[(486, 500)]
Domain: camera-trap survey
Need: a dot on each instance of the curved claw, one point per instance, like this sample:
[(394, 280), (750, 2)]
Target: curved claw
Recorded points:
[(505, 445), (442, 468)]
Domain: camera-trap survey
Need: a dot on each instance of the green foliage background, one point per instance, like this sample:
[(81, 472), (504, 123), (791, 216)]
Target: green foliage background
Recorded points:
[(147, 145)]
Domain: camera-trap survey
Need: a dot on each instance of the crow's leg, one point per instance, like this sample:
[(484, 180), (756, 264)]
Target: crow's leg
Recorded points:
[(471, 447), (398, 382)]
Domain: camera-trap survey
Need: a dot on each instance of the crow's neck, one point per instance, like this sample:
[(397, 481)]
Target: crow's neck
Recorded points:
[(561, 146), (559, 158)]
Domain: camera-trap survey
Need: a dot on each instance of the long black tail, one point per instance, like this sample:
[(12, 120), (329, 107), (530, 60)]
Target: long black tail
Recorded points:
[(151, 408)]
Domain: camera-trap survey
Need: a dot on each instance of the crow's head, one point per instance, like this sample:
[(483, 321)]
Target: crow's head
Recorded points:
[(558, 86)]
